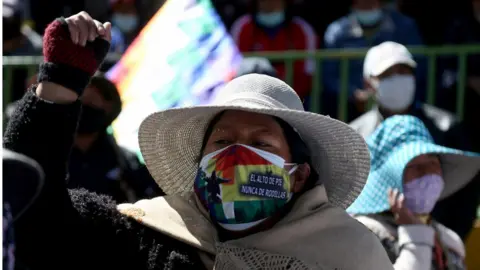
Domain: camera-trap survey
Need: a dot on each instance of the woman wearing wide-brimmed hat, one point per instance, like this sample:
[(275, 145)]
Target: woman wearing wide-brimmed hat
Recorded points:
[(254, 181), (409, 175)]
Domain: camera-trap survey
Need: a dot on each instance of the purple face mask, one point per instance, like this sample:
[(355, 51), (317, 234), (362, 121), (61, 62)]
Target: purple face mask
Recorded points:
[(422, 194)]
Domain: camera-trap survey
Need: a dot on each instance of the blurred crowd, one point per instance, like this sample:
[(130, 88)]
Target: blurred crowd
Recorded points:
[(279, 25)]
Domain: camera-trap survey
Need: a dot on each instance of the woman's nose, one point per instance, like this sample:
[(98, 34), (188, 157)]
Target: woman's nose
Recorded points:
[(243, 140)]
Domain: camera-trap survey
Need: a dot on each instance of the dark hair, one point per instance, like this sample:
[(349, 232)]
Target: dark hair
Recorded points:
[(109, 92), (298, 149)]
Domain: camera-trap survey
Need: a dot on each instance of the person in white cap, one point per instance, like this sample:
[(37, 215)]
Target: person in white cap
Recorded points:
[(388, 73), (253, 180)]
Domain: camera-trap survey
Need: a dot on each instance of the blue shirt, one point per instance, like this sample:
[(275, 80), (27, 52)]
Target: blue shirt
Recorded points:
[(346, 33), (118, 43)]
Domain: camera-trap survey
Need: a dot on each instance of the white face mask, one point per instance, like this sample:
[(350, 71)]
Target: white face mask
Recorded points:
[(271, 19), (395, 93), (368, 17)]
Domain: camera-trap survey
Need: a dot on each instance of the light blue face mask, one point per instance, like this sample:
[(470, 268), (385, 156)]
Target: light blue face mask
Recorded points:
[(271, 19), (368, 17), (125, 22)]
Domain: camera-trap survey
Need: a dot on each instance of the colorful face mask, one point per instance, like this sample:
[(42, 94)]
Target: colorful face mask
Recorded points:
[(241, 186), (422, 194)]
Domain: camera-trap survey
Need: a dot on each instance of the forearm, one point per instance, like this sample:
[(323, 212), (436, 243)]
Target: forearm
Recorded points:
[(55, 93)]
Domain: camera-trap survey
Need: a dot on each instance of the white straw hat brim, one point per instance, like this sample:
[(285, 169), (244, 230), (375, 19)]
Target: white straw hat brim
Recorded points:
[(171, 142)]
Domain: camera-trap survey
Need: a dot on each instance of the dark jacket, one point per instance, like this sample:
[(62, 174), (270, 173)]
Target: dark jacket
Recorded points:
[(109, 169), (76, 229)]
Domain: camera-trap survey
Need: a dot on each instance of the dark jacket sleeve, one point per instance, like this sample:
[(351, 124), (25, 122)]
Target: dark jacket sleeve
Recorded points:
[(77, 230)]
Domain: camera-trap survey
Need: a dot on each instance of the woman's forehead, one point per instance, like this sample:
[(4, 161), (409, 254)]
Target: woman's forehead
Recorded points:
[(242, 119), (234, 117)]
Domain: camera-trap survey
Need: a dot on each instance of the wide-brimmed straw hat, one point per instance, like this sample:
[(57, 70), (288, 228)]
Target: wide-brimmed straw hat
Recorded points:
[(396, 142), (171, 140)]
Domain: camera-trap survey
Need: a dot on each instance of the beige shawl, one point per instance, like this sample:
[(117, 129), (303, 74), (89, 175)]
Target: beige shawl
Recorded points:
[(314, 235)]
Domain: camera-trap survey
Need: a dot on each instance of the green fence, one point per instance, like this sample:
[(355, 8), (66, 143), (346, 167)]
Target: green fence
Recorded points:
[(30, 63), (289, 57), (344, 56)]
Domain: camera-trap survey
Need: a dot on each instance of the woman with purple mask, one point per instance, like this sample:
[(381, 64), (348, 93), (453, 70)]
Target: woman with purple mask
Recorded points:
[(408, 175)]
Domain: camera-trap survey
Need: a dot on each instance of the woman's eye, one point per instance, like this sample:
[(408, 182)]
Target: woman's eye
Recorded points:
[(222, 142), (261, 144)]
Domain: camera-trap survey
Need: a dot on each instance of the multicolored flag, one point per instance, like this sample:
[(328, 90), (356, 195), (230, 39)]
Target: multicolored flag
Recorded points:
[(182, 57)]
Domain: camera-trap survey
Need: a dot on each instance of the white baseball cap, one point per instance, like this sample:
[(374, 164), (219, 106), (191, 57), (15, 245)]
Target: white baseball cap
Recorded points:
[(385, 55)]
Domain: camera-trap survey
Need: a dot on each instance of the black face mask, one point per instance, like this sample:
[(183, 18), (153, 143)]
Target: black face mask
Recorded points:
[(92, 120)]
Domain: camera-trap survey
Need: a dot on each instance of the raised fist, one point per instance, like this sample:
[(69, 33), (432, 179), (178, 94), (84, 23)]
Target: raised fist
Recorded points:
[(73, 50), (83, 28)]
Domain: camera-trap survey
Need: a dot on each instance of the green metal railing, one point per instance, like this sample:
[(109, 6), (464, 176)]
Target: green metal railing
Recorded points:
[(289, 57), (344, 56), (30, 63)]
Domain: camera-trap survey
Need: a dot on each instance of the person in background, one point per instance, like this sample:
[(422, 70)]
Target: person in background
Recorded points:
[(271, 26), (320, 14), (18, 40), (97, 163), (389, 73), (256, 65), (23, 182), (389, 76), (125, 24), (367, 25), (432, 25), (464, 31), (409, 174)]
